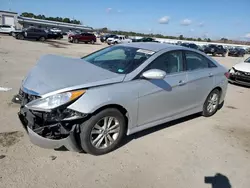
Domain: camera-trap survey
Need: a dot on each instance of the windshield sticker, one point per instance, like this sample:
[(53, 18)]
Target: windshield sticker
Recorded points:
[(120, 70), (146, 51)]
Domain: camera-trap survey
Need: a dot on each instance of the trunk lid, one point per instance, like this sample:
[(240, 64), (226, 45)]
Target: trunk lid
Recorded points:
[(53, 73)]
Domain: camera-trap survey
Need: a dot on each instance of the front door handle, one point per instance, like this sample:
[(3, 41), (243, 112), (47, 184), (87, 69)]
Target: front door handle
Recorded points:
[(181, 83), (211, 75)]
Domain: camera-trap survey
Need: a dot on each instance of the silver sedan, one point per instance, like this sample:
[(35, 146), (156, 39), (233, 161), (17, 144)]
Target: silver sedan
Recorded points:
[(91, 103)]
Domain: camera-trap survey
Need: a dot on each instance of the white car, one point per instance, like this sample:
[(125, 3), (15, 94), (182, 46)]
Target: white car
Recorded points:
[(56, 30), (240, 73), (118, 40), (8, 29)]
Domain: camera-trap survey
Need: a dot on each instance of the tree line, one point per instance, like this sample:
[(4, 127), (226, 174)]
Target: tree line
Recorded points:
[(43, 17)]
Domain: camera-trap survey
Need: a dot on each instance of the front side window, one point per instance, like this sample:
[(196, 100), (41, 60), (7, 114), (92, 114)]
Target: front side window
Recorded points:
[(119, 59), (197, 61), (170, 62)]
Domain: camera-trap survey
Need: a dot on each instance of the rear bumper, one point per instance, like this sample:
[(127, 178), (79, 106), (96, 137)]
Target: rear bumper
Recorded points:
[(28, 121)]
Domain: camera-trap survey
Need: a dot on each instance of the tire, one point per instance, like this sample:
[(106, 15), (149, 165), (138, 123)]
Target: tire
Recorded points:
[(88, 138), (92, 42), (214, 54), (223, 55), (214, 105), (115, 42), (42, 39), (20, 36), (75, 40)]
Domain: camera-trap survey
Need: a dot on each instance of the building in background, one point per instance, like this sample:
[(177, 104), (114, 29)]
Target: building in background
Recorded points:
[(12, 18), (8, 18)]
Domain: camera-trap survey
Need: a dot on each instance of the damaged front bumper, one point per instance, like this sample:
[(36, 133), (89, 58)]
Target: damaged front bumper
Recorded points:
[(50, 134), (240, 78)]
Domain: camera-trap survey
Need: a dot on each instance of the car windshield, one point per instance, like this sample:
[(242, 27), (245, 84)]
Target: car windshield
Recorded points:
[(247, 60), (119, 59)]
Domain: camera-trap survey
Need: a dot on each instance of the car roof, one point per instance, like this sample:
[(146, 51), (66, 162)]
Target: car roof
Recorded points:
[(153, 46)]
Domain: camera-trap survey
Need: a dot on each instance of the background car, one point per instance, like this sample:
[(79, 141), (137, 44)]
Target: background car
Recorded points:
[(118, 40), (240, 73), (237, 52), (192, 45), (215, 50), (93, 102), (7, 29), (53, 34), (31, 33), (144, 39), (82, 37), (104, 38)]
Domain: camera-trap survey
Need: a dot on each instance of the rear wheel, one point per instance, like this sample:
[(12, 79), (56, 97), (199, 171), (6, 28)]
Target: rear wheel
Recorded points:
[(211, 104), (103, 132)]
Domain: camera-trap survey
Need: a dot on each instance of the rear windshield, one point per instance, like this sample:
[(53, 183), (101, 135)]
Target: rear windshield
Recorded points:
[(119, 59)]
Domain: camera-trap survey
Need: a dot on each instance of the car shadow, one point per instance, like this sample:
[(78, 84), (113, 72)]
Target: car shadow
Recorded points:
[(162, 84), (151, 130), (218, 181)]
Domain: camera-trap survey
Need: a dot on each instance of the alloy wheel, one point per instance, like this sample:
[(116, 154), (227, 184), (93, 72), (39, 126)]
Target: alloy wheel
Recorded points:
[(212, 102), (105, 132)]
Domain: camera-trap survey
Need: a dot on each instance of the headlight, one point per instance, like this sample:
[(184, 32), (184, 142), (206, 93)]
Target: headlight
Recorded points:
[(54, 101), (232, 71)]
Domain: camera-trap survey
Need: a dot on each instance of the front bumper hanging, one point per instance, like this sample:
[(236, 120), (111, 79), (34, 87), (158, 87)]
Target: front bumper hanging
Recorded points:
[(29, 121)]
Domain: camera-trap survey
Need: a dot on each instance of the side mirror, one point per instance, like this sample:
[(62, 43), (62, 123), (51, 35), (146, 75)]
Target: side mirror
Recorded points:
[(154, 74)]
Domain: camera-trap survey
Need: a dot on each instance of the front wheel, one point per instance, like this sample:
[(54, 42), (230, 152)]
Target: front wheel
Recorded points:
[(76, 41), (20, 37), (103, 132), (42, 39), (211, 104)]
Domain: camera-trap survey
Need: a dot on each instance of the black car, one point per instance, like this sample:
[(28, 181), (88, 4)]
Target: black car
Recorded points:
[(54, 35), (192, 45), (105, 37), (237, 52), (31, 33), (215, 50), (144, 39)]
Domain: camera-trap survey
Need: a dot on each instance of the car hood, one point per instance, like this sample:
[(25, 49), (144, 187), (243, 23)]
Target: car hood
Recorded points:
[(57, 74), (245, 67)]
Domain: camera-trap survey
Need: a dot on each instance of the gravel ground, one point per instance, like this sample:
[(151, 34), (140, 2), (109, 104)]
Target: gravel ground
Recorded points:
[(179, 154)]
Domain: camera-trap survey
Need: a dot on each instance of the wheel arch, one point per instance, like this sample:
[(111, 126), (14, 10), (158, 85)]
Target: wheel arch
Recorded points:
[(123, 110)]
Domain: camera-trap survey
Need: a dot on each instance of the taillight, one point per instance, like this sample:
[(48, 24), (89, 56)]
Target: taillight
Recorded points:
[(227, 74)]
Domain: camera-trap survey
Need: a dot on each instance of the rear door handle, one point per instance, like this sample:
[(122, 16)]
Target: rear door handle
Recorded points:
[(211, 75), (181, 83)]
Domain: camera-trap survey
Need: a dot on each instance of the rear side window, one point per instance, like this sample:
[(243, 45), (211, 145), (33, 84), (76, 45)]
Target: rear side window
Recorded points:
[(195, 61)]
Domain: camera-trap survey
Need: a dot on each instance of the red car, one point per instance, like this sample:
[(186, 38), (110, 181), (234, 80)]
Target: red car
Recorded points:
[(82, 37)]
